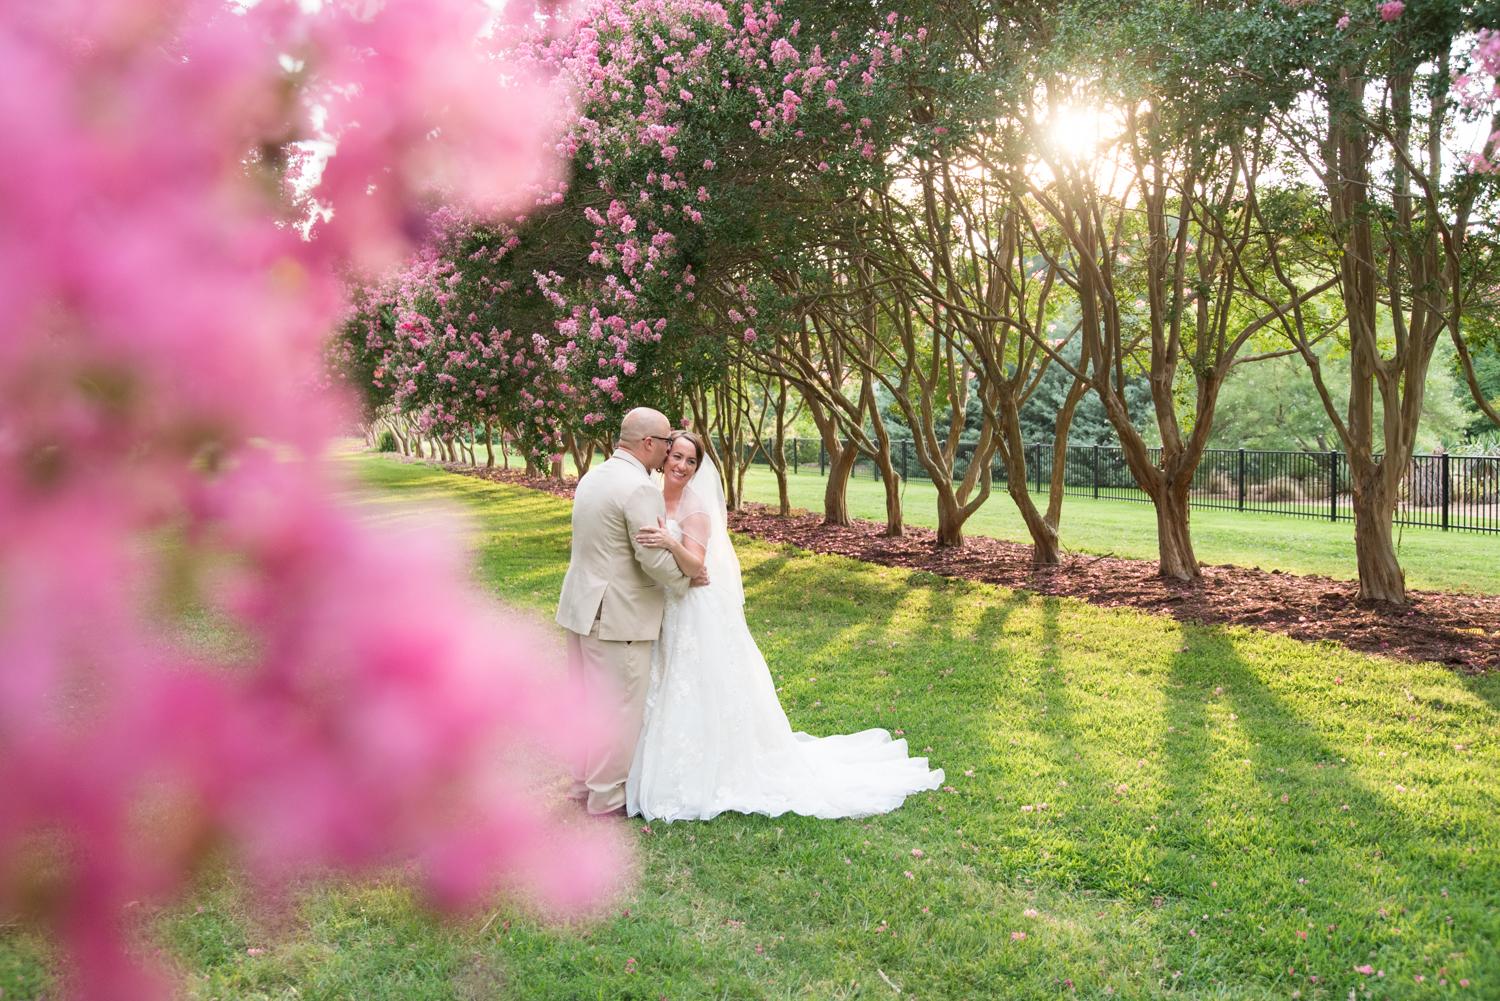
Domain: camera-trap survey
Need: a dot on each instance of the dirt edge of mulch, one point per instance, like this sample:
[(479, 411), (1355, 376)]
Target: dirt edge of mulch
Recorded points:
[(1457, 629)]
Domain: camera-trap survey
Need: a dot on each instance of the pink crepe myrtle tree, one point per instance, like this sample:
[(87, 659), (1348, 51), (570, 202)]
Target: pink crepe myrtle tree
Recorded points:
[(451, 341), (161, 448), (702, 144), (705, 143)]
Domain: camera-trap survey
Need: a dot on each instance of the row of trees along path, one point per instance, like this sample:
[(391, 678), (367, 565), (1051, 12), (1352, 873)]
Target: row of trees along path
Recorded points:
[(877, 222)]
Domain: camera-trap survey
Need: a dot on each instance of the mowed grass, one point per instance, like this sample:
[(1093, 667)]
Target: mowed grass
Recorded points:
[(1137, 808), (1433, 559)]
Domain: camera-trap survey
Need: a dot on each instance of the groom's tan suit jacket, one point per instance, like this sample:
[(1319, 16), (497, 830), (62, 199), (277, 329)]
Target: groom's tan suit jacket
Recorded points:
[(610, 575)]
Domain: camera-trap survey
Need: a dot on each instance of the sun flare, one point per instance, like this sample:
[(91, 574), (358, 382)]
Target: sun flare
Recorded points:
[(1077, 131)]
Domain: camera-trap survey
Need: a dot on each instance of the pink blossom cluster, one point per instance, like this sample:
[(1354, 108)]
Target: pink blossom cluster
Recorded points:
[(162, 449), (1481, 91)]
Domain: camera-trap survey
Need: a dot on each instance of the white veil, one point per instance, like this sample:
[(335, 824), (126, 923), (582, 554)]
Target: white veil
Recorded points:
[(703, 503)]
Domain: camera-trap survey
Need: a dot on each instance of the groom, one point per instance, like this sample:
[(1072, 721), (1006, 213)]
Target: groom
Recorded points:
[(612, 600)]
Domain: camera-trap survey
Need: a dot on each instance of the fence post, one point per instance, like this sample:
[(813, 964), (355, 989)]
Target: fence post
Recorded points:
[(794, 457), (1242, 478), (1096, 470), (822, 458), (904, 443), (1333, 485), (1444, 470)]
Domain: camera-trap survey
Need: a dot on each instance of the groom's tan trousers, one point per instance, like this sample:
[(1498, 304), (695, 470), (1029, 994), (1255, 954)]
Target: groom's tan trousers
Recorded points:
[(611, 676)]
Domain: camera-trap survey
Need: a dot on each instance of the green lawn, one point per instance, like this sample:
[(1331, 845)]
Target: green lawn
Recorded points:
[(1433, 559), (1138, 808)]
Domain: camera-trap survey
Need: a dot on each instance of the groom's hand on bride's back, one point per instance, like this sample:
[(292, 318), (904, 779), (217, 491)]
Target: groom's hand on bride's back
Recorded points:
[(701, 580)]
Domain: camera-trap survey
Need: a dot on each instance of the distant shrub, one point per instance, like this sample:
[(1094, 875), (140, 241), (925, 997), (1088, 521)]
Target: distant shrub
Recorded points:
[(1219, 484), (386, 442), (1278, 490)]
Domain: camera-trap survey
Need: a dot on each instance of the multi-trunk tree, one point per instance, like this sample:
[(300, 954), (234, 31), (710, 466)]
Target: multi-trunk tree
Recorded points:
[(1382, 92)]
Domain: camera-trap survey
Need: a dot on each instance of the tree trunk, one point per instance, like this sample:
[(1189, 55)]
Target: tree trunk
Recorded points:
[(957, 505), (836, 489), (557, 467), (1380, 575), (950, 531), (1012, 449), (582, 451), (489, 445), (1045, 551), (585, 459), (1060, 432), (1044, 547), (777, 458), (895, 519), (739, 479), (729, 452), (1174, 539)]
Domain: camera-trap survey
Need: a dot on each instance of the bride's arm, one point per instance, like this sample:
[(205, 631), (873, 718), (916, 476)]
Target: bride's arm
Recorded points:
[(688, 553)]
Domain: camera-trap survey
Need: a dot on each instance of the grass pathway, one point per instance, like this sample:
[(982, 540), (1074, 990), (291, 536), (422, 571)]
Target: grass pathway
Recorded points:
[(1138, 809)]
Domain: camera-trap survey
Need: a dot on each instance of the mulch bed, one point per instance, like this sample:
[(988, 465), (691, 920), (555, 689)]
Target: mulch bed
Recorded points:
[(1454, 628), (515, 477), (1458, 629)]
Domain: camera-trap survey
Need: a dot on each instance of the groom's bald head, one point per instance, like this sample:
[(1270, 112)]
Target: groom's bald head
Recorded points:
[(642, 423), (643, 433)]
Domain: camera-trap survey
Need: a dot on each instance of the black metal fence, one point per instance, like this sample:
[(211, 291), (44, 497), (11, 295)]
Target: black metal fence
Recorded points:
[(1457, 492)]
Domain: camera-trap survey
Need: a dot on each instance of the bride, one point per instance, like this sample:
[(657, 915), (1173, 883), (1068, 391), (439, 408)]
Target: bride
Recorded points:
[(715, 737)]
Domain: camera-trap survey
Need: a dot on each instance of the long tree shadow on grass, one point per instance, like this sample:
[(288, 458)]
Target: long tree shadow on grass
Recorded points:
[(1211, 832), (1286, 832)]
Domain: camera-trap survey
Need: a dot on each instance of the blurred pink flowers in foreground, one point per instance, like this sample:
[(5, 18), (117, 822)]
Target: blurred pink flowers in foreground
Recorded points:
[(1480, 91), (160, 444)]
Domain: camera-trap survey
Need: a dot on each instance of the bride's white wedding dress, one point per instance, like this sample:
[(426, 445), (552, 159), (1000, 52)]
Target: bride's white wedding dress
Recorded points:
[(715, 737)]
